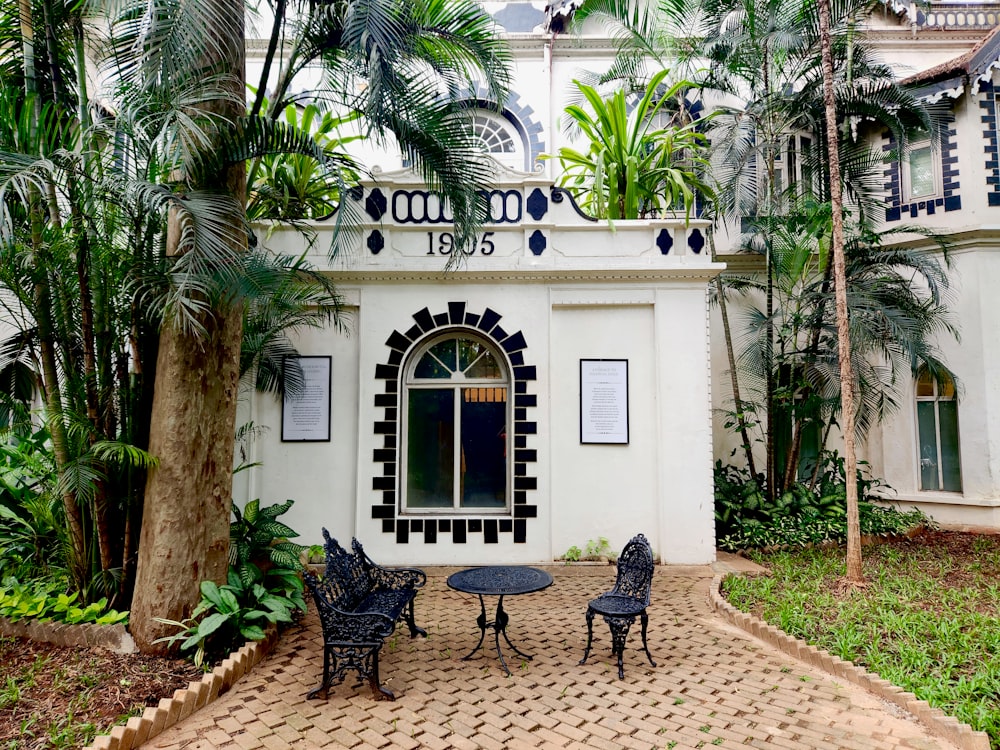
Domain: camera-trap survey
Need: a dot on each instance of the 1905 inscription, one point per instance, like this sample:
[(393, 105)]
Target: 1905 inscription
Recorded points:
[(443, 243)]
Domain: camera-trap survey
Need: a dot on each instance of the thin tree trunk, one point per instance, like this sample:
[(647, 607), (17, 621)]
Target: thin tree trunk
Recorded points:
[(854, 571), (76, 554), (771, 489), (272, 45), (741, 423), (77, 557)]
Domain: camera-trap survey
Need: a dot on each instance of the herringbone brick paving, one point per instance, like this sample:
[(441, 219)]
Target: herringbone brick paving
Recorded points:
[(714, 686)]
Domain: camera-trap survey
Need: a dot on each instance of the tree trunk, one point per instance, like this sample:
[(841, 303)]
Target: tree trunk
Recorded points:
[(854, 571), (185, 521), (188, 500)]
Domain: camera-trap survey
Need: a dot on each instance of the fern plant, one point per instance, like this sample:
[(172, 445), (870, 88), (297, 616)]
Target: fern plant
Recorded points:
[(256, 536)]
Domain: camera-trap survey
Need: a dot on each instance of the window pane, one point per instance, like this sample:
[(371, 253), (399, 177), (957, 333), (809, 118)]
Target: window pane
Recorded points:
[(484, 447), (928, 446), (951, 467), (925, 383), (946, 388), (484, 367), (494, 135), (430, 448), (921, 172), (438, 362), (430, 367), (469, 351)]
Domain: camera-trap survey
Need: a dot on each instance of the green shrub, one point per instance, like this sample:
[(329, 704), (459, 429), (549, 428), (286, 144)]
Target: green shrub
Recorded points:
[(33, 533), (802, 515), (236, 612), (263, 586), (43, 602), (258, 539)]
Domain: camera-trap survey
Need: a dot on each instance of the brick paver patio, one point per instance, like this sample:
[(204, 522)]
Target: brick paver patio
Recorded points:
[(714, 686)]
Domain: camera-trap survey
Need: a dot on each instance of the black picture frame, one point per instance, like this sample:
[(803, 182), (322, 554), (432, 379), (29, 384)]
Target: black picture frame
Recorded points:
[(604, 402), (305, 418)]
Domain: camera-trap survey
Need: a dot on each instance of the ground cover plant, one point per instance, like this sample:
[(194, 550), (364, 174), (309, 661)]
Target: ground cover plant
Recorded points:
[(928, 619)]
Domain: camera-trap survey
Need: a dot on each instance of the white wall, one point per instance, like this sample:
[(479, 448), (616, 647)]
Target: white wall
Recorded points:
[(609, 491)]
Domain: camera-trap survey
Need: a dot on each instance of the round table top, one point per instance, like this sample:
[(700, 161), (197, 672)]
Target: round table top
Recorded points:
[(498, 580)]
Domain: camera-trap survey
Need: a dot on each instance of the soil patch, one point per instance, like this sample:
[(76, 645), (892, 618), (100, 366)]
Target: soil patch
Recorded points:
[(56, 697)]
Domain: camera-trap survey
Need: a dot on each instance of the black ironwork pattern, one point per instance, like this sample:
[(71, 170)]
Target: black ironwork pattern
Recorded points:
[(498, 580), (626, 601), (359, 602)]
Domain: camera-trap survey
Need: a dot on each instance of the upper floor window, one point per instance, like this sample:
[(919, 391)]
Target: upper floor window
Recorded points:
[(500, 139), (455, 395), (793, 167), (921, 176), (791, 162), (937, 428)]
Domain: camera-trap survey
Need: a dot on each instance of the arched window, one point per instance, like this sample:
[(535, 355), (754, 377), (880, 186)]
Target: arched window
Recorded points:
[(455, 397), (500, 139), (937, 428)]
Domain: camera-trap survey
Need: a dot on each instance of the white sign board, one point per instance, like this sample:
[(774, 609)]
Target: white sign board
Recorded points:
[(604, 401), (305, 416)]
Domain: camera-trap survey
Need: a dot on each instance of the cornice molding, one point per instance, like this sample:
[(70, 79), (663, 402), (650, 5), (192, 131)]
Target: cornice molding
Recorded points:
[(547, 276)]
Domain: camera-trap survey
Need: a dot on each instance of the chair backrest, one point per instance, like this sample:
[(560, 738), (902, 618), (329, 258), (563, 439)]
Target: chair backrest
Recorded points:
[(635, 569), (346, 578)]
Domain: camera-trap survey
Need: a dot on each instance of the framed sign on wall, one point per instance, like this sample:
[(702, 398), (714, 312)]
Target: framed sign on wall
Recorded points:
[(305, 414), (604, 401)]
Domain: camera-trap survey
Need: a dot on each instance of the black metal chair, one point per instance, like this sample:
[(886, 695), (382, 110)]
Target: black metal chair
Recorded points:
[(626, 601)]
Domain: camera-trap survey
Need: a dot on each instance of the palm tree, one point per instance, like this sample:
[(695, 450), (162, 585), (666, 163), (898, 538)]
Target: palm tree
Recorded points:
[(411, 62), (763, 75), (149, 278)]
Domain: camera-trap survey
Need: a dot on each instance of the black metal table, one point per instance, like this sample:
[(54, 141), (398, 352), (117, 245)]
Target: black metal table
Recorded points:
[(498, 580)]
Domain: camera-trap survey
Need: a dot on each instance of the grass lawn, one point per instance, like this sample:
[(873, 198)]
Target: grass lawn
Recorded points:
[(928, 619)]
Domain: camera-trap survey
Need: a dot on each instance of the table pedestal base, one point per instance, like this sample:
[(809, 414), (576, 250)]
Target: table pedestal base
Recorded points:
[(499, 626)]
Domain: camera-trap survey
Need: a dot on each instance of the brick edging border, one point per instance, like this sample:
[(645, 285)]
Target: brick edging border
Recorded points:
[(186, 701), (936, 720), (114, 638)]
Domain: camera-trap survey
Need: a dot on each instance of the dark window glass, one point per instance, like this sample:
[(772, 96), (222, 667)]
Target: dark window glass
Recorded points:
[(430, 448), (456, 427), (937, 434)]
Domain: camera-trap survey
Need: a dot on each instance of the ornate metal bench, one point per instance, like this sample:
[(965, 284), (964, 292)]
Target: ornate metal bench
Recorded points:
[(359, 603), (626, 601)]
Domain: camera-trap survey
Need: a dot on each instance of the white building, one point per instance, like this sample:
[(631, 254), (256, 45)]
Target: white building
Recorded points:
[(560, 385)]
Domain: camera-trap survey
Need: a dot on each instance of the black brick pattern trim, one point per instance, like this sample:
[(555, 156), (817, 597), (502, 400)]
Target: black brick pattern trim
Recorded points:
[(989, 103), (950, 200), (490, 529)]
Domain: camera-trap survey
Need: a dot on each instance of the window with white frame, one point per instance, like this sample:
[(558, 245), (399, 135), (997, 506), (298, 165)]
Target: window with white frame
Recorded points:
[(500, 139), (937, 433), (456, 412), (794, 171), (920, 173), (793, 164)]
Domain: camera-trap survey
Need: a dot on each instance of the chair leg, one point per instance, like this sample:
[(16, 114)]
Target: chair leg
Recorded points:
[(379, 693), (590, 635), (644, 618), (412, 624), (619, 634), (324, 686)]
